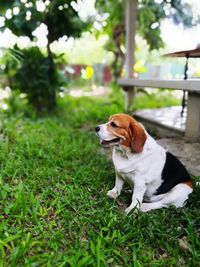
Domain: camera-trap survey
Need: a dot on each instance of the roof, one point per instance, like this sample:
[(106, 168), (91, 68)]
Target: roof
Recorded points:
[(185, 53)]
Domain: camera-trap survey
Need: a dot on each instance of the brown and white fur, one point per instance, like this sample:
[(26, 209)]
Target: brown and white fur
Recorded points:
[(157, 177)]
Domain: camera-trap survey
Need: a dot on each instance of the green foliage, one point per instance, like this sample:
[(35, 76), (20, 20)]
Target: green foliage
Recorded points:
[(59, 16), (32, 77), (9, 62), (87, 50), (148, 13), (54, 208), (149, 17), (5, 5)]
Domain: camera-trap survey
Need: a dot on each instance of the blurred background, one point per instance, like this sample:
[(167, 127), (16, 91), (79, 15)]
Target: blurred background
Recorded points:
[(52, 48)]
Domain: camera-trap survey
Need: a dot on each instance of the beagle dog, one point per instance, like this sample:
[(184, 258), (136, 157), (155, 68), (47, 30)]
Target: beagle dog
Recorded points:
[(157, 177)]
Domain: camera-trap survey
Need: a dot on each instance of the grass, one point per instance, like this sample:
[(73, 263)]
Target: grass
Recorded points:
[(54, 209)]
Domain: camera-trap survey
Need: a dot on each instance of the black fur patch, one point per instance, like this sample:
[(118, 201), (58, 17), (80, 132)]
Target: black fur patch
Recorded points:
[(174, 172)]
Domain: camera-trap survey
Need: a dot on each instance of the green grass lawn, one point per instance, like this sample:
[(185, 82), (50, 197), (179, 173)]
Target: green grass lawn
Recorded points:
[(54, 209)]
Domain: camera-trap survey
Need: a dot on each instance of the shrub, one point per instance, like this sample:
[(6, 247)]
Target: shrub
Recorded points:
[(8, 68), (37, 77)]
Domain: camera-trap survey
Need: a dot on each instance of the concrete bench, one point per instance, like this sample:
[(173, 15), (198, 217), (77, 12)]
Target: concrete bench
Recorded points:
[(192, 130)]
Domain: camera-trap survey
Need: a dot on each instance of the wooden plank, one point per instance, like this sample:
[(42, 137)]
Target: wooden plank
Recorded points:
[(129, 96), (192, 132), (185, 85), (131, 8)]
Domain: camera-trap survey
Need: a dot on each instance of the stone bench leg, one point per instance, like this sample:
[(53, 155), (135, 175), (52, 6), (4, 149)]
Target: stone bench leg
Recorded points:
[(129, 97), (192, 132)]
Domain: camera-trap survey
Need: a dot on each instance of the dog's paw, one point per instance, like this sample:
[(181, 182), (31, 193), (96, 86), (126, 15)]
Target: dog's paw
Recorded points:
[(112, 194), (128, 210), (145, 207), (134, 208)]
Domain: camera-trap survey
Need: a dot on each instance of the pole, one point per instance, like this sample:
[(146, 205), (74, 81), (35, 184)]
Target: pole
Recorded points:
[(131, 8)]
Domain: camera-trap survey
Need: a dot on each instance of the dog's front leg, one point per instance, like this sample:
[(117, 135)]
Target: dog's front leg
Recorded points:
[(138, 194), (115, 192)]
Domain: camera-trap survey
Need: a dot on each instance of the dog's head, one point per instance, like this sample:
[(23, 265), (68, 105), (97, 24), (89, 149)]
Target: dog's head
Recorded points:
[(122, 129)]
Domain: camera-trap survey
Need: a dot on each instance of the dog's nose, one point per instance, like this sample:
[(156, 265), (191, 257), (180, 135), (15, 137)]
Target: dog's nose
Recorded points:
[(97, 129)]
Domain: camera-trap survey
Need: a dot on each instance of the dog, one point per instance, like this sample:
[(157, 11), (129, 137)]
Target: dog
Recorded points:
[(157, 177)]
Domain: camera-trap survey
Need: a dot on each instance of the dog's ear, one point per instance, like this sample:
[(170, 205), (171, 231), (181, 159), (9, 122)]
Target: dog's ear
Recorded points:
[(138, 136), (110, 118)]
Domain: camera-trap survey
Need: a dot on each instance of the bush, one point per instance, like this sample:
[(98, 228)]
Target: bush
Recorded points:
[(36, 76), (8, 68)]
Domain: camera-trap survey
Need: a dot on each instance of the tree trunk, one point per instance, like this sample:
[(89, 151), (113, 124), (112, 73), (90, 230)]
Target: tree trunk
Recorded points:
[(51, 101), (118, 34), (52, 91)]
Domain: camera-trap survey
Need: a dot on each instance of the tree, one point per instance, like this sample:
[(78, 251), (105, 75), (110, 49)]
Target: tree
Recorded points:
[(150, 14), (61, 18)]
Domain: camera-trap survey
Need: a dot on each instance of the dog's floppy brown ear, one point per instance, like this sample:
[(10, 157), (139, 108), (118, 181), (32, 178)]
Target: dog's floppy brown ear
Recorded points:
[(138, 137)]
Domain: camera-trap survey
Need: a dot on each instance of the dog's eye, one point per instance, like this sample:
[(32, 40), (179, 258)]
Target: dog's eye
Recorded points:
[(113, 124)]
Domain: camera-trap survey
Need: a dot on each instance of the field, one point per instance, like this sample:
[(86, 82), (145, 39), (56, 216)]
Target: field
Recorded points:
[(54, 209)]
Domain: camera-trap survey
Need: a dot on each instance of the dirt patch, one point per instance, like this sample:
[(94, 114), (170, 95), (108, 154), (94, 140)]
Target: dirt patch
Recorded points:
[(188, 153)]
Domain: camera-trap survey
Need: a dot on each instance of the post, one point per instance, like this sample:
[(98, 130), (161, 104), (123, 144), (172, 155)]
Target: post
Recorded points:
[(131, 8), (192, 131), (129, 95)]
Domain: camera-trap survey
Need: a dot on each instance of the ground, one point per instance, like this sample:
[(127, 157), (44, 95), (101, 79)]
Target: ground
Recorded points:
[(54, 208), (187, 152)]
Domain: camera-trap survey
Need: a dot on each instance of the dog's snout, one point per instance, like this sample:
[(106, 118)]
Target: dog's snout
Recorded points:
[(97, 129)]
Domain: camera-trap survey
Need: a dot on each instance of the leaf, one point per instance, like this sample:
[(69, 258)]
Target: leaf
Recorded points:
[(93, 248)]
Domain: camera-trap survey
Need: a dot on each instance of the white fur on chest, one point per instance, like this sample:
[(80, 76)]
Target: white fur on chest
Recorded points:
[(146, 166)]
